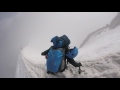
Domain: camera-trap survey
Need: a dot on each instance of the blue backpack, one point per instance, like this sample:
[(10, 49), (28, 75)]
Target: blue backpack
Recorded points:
[(60, 42), (72, 53), (57, 42), (56, 60), (56, 56)]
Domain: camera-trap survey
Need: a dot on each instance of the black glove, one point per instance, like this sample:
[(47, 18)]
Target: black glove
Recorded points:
[(80, 64)]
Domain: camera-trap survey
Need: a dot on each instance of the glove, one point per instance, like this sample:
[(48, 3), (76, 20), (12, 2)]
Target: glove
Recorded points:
[(79, 64)]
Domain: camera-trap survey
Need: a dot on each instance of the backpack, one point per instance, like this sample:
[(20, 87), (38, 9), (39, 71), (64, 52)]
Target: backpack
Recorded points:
[(60, 42), (56, 56), (56, 60), (66, 40), (72, 52)]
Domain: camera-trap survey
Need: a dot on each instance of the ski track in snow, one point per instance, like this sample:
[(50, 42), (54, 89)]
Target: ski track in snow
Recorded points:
[(97, 59)]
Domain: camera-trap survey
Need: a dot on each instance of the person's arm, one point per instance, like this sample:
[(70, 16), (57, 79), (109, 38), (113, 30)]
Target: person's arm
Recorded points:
[(45, 52), (73, 62)]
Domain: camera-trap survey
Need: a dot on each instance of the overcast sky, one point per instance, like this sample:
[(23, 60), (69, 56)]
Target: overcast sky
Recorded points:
[(17, 29)]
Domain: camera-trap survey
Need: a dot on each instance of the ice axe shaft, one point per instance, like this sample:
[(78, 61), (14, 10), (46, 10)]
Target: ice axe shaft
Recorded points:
[(79, 70)]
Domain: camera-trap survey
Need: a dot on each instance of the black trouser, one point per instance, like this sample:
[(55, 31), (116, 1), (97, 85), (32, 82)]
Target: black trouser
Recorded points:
[(72, 61)]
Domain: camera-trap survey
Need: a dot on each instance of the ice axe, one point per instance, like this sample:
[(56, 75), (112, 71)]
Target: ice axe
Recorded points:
[(79, 70)]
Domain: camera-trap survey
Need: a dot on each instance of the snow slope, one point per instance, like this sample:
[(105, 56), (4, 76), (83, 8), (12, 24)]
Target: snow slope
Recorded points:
[(100, 57)]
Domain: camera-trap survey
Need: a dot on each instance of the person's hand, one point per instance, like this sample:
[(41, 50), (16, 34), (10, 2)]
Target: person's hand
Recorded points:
[(80, 64)]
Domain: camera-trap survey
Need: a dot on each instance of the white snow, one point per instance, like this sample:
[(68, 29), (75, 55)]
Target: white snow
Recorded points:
[(100, 57)]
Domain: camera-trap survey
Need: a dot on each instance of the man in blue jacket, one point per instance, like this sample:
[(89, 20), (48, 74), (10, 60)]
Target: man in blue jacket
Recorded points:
[(69, 52)]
